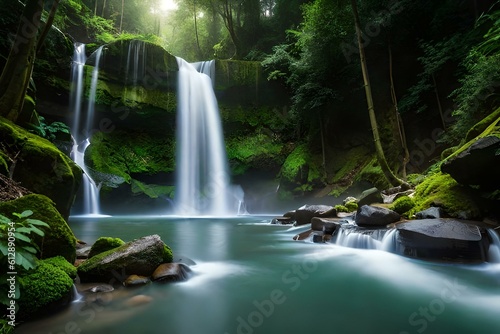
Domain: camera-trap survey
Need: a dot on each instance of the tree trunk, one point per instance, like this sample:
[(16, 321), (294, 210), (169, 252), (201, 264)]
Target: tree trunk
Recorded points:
[(200, 54), (393, 179), (17, 71), (103, 8), (226, 13), (121, 17), (48, 25), (401, 127), (95, 7)]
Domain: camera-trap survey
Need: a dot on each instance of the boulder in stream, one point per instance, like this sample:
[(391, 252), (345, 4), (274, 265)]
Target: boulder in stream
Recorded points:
[(441, 239), (368, 215), (171, 272), (306, 213), (140, 257)]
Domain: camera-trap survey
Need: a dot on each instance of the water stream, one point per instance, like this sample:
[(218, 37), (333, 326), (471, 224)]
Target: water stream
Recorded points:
[(202, 187), (83, 125), (251, 277)]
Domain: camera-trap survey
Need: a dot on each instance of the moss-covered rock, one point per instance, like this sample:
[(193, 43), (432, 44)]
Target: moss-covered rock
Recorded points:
[(139, 257), (168, 256), (58, 239), (402, 205), (104, 244), (40, 166), (61, 263), (442, 190), (43, 289)]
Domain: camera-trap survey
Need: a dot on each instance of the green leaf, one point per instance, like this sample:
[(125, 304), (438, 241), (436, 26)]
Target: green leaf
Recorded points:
[(22, 237), (24, 230), (4, 220), (26, 213), (29, 249), (25, 260), (3, 247), (37, 231), (37, 222)]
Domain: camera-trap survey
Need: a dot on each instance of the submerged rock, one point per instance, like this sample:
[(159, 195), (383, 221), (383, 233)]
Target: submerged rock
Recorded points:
[(171, 272), (368, 215), (136, 280), (140, 257), (441, 239)]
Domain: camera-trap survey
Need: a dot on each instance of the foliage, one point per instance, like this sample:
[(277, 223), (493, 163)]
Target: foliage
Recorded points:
[(49, 131), (5, 328), (167, 254), (151, 190), (104, 244), (402, 205), (59, 239), (20, 230)]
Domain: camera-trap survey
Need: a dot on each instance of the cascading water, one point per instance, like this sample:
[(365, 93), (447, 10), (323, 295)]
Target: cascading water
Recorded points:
[(202, 186), (494, 250), (81, 130), (371, 239)]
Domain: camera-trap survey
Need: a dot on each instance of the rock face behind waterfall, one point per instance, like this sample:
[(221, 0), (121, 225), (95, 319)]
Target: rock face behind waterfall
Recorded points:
[(139, 257)]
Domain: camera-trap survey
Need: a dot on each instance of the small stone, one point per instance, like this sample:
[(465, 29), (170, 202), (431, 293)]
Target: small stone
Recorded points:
[(136, 280), (138, 300)]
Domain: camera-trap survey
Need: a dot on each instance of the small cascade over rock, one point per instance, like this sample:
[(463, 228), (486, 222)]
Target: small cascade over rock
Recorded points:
[(82, 124), (494, 250), (202, 185)]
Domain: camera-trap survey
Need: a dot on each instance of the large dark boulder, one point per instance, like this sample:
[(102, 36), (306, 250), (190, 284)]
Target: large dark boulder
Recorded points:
[(304, 214), (139, 257), (441, 239), (477, 165), (368, 215), (370, 196)]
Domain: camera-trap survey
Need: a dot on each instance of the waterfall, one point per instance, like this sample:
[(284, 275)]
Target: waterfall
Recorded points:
[(367, 239), (202, 185), (81, 131), (494, 250)]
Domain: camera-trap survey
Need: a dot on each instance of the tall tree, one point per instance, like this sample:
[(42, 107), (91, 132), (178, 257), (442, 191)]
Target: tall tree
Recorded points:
[(393, 179), (17, 71)]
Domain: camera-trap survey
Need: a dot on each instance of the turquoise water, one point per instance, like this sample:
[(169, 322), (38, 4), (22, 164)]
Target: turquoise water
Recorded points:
[(251, 277)]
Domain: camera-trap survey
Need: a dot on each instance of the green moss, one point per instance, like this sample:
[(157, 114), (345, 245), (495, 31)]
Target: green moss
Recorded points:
[(123, 153), (481, 126), (372, 173), (43, 286), (59, 239), (152, 190), (104, 244), (4, 167), (296, 163), (442, 190), (41, 167), (351, 206), (402, 205), (237, 73), (341, 208), (167, 254), (253, 151), (63, 264)]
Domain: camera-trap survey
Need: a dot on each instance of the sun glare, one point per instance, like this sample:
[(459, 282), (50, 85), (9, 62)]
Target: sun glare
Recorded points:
[(167, 5)]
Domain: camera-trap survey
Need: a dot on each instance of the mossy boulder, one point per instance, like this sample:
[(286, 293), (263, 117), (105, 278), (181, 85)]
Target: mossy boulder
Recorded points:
[(139, 257), (44, 289), (61, 263), (104, 244), (58, 239), (402, 205), (40, 166), (441, 190)]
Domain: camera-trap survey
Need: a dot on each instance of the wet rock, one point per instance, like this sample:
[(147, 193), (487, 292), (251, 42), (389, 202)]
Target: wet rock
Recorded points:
[(317, 238), (83, 252), (319, 224), (135, 280), (370, 196), (433, 212), (477, 165), (282, 221), (139, 257), (99, 288), (304, 214), (302, 236), (368, 215), (184, 259), (441, 239), (138, 300), (171, 272)]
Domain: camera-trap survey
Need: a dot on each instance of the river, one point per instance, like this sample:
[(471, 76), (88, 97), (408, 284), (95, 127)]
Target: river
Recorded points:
[(251, 277)]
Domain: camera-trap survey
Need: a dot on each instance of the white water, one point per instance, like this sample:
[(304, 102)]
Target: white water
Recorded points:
[(494, 250), (202, 185), (82, 130), (379, 239)]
